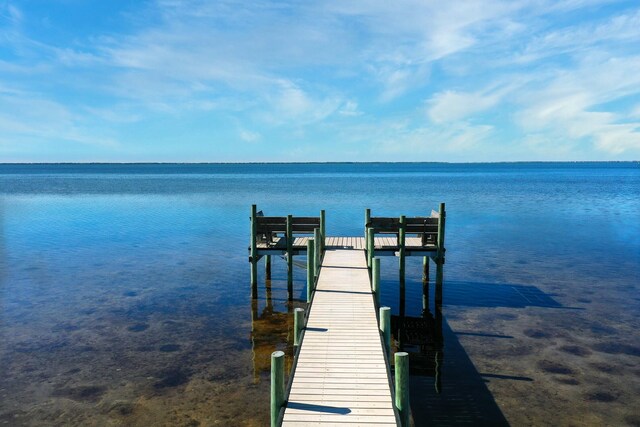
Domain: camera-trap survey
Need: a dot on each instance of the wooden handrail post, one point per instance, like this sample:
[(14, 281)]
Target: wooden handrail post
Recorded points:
[(370, 245), (402, 261), (318, 251), (267, 267), (441, 223), (401, 248), (367, 219), (375, 275), (323, 230), (385, 327), (298, 324), (311, 277), (290, 256), (402, 386), (253, 257), (425, 284), (277, 386)]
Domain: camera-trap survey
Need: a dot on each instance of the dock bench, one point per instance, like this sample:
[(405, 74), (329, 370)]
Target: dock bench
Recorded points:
[(286, 236), (271, 233), (424, 228), (419, 235)]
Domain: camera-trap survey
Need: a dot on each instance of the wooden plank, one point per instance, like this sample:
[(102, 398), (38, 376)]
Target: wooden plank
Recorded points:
[(307, 220), (341, 360)]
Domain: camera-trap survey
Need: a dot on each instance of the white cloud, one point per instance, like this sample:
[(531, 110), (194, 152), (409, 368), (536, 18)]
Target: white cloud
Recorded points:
[(572, 104), (249, 136), (450, 106), (27, 117), (11, 14), (298, 68), (289, 103), (350, 109)]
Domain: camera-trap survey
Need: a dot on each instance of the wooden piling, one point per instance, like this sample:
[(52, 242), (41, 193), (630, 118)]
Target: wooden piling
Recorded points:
[(311, 276), (323, 230), (385, 327), (425, 284), (267, 267), (370, 246), (402, 264), (298, 324), (402, 387), (318, 252), (439, 280), (367, 220), (290, 256), (375, 280), (425, 269), (441, 223), (253, 257), (438, 338), (401, 250), (277, 386)]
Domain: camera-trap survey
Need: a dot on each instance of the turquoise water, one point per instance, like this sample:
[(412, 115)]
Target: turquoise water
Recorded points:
[(125, 297)]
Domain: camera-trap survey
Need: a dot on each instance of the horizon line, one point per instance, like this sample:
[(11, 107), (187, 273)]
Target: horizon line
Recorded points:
[(316, 163)]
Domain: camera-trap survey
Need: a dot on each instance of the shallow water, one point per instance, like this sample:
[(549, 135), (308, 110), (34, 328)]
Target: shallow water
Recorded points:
[(124, 289)]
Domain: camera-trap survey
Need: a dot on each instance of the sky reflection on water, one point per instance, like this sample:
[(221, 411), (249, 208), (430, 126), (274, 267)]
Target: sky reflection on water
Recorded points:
[(125, 298)]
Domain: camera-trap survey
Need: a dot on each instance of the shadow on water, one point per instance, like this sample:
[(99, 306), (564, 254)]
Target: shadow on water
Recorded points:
[(475, 294), (446, 389)]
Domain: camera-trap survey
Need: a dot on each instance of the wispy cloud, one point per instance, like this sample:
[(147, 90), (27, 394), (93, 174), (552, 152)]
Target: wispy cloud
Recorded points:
[(546, 78)]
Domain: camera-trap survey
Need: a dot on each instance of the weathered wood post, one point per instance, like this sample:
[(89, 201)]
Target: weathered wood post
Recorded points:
[(267, 267), (367, 220), (438, 338), (277, 386), (441, 223), (323, 230), (401, 249), (370, 245), (318, 251), (425, 284), (402, 386), (253, 257), (254, 318), (311, 276), (425, 269), (290, 256), (298, 324), (402, 263), (385, 327), (375, 282), (439, 280)]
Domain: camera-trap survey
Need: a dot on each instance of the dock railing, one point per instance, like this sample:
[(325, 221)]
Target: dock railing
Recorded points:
[(283, 235)]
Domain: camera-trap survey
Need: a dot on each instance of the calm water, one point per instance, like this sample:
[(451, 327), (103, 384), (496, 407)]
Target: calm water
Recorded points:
[(125, 297)]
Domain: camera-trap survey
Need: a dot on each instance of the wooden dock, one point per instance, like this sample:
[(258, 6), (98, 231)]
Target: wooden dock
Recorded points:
[(341, 375), (341, 371)]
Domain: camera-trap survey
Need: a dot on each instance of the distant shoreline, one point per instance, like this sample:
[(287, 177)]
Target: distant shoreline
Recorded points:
[(327, 163)]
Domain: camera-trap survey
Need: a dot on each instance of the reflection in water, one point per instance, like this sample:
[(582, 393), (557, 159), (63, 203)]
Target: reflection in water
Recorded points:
[(270, 331), (122, 300), (443, 392), (422, 337)]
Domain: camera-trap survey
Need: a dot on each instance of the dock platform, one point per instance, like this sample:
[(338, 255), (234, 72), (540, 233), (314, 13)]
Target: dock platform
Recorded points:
[(341, 375), (341, 372)]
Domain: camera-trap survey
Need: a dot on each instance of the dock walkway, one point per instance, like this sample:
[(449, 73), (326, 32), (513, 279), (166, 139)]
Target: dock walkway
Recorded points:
[(341, 375)]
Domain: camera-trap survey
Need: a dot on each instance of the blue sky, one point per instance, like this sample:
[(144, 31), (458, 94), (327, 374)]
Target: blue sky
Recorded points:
[(370, 80)]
